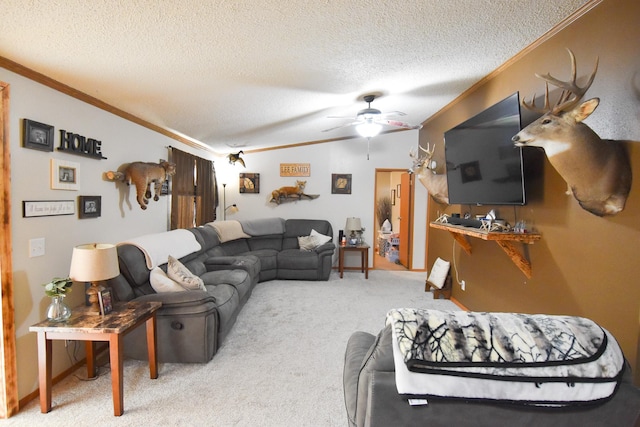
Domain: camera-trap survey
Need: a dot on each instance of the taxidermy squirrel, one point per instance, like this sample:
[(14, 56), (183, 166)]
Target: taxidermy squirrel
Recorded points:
[(298, 190), (142, 175)]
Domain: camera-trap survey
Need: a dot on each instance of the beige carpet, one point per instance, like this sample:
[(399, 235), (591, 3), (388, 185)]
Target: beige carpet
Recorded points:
[(281, 365)]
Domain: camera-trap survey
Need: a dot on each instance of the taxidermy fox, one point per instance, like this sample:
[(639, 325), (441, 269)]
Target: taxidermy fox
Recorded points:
[(298, 190), (142, 175)]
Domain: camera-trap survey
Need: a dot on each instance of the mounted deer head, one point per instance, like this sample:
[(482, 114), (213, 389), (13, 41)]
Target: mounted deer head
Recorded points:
[(597, 171), (436, 185)]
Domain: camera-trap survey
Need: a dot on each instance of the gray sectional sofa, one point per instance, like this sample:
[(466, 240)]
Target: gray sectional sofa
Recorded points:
[(372, 398), (191, 325)]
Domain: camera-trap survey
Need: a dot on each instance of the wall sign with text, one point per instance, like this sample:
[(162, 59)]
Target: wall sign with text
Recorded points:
[(295, 169)]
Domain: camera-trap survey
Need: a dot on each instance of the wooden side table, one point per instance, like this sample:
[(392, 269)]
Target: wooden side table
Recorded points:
[(364, 259), (83, 326)]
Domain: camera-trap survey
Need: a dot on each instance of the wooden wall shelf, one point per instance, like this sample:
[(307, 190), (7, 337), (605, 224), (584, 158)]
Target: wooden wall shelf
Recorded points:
[(505, 240)]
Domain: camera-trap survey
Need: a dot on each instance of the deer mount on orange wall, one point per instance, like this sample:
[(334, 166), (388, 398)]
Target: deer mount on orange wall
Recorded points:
[(423, 167), (597, 171)]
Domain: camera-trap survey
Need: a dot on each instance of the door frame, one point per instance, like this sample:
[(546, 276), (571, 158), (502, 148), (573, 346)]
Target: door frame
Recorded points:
[(9, 404), (409, 201)]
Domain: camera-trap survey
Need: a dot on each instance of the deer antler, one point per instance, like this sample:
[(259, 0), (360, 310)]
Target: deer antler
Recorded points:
[(429, 152), (571, 92)]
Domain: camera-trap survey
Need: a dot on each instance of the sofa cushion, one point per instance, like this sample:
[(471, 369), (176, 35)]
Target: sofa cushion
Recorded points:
[(295, 259), (178, 272), (160, 282), (234, 247), (272, 241), (239, 279)]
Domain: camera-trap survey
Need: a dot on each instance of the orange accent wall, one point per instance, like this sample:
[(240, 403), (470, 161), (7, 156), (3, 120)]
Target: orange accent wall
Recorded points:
[(584, 265)]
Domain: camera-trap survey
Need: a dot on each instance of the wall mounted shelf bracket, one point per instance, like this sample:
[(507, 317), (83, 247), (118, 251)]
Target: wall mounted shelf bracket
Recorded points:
[(506, 241)]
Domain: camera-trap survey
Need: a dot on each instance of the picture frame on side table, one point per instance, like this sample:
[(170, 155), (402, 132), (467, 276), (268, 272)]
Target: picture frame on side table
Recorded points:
[(65, 175), (340, 183), (105, 301), (89, 206), (36, 135)]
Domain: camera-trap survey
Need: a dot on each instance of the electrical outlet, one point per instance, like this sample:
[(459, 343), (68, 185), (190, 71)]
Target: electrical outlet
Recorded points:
[(36, 247), (463, 285)]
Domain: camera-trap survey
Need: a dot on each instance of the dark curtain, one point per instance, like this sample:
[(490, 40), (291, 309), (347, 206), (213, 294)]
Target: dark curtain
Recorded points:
[(194, 196), (205, 192), (182, 190)]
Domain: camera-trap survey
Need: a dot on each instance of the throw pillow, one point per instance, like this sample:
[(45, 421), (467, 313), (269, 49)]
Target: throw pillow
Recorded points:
[(439, 272), (181, 274), (160, 282), (320, 238), (307, 243)]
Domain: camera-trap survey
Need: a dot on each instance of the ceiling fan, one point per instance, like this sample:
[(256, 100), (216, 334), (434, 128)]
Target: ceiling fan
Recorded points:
[(369, 121)]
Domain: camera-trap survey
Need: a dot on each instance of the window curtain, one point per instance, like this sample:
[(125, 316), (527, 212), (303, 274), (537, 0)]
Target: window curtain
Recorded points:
[(194, 196), (206, 192), (182, 190)]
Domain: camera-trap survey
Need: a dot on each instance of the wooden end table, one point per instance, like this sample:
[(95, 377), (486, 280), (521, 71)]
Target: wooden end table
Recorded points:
[(364, 258), (84, 326)]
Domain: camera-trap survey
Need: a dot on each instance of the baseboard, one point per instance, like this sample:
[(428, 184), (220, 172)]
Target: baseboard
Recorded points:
[(459, 304)]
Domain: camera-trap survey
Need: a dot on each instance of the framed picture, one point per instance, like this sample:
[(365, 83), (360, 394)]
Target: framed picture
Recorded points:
[(65, 175), (249, 183), (105, 301), (340, 183), (393, 197), (398, 191), (37, 136), (35, 208), (89, 206)]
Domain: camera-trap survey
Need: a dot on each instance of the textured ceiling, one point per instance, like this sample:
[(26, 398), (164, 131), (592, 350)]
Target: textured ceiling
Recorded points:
[(255, 74)]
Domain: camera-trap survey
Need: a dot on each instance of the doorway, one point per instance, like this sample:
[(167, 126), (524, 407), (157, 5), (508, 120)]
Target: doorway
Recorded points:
[(392, 202)]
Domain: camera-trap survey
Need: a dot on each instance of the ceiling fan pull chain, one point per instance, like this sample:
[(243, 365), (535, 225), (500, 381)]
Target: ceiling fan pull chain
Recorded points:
[(368, 140)]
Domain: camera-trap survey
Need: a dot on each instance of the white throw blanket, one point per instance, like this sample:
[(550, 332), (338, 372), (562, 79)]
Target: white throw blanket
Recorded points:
[(532, 359), (157, 247)]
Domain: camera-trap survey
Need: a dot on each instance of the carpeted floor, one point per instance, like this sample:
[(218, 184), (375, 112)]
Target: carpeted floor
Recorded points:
[(281, 365)]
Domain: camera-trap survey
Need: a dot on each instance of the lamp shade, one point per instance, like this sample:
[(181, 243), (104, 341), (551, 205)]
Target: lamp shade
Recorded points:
[(354, 224), (94, 262), (369, 129)]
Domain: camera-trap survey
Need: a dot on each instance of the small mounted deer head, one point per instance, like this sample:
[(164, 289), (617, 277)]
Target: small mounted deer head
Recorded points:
[(436, 185), (598, 172)]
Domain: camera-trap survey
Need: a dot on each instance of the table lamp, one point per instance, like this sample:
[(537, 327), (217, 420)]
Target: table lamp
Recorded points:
[(355, 226), (93, 263)]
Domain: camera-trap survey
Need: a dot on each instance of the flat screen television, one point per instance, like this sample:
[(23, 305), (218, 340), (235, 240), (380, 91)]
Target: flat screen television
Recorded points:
[(484, 167)]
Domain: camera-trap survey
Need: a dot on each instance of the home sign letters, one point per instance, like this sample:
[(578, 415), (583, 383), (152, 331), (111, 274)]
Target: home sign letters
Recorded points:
[(80, 145)]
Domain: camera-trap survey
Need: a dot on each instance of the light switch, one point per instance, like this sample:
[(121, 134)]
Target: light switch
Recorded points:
[(36, 247)]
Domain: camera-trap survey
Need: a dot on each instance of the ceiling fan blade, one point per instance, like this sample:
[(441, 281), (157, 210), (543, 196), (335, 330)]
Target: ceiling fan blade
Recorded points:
[(399, 124), (341, 126), (340, 117), (393, 113)]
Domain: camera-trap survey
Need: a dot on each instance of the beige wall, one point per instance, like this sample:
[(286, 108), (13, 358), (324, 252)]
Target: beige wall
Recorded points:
[(123, 142), (584, 265)]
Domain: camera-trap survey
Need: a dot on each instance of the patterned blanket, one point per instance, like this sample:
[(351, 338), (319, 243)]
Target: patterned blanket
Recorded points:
[(522, 348)]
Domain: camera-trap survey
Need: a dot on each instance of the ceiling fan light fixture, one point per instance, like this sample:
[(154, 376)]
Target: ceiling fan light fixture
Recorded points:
[(369, 129)]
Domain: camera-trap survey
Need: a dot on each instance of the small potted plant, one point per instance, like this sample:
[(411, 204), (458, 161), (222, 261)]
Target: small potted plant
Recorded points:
[(57, 289)]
